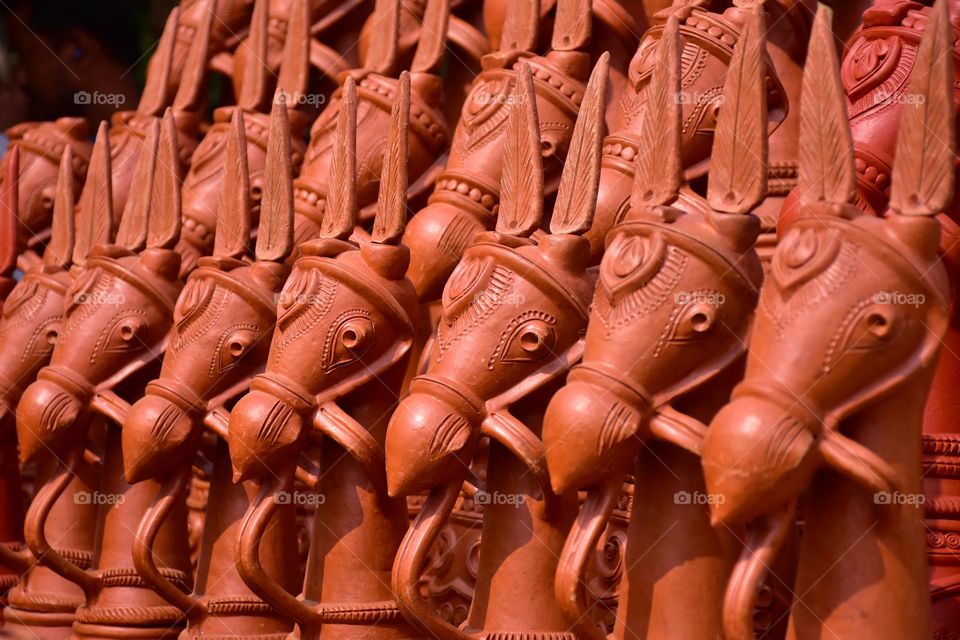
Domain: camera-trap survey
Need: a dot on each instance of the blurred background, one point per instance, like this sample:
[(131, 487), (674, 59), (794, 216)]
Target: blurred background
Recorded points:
[(52, 51)]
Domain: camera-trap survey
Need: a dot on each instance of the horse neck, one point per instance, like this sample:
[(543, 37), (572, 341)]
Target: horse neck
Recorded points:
[(858, 555)]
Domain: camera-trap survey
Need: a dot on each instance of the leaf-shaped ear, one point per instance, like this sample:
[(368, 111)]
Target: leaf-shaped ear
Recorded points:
[(192, 88), (827, 172), (577, 195), (340, 215), (924, 167), (233, 214), (156, 92), (132, 233), (738, 165), (254, 90), (520, 26), (391, 218), (295, 67), (163, 226), (573, 24), (275, 238), (58, 252), (433, 37), (95, 217), (9, 205), (658, 169), (521, 183), (385, 32)]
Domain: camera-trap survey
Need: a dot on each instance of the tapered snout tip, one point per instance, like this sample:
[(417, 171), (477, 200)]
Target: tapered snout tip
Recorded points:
[(46, 413), (429, 443), (757, 456), (588, 433), (154, 434), (264, 435)]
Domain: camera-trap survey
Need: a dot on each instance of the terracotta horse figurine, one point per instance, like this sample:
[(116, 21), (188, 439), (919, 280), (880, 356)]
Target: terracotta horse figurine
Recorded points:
[(513, 319), (848, 330), (115, 328), (41, 146), (709, 30), (338, 357), (204, 181), (42, 143), (11, 522), (377, 86), (876, 69), (465, 199), (129, 129), (666, 343), (42, 603), (224, 320)]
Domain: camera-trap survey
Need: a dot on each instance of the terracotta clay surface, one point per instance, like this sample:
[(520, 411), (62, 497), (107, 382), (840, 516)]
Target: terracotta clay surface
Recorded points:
[(117, 314), (678, 285), (659, 342), (346, 324), (839, 370)]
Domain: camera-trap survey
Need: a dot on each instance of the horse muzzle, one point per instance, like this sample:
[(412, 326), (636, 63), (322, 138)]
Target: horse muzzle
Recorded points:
[(432, 437), (48, 415), (265, 433), (157, 433), (591, 429), (759, 455)]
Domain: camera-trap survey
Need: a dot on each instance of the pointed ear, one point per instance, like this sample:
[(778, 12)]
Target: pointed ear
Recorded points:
[(433, 37), (391, 218), (573, 24), (580, 182), (254, 90), (191, 92), (738, 164), (385, 31), (132, 234), (340, 215), (827, 172), (163, 226), (9, 207), (234, 212), (924, 169), (658, 169), (95, 215), (58, 252), (295, 67), (520, 26), (521, 184), (275, 237), (156, 92)]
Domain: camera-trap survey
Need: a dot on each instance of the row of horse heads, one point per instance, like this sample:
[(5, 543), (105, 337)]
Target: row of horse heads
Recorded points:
[(568, 368)]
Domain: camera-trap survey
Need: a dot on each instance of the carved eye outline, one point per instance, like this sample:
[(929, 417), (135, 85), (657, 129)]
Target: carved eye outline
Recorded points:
[(131, 328), (349, 339), (235, 344), (875, 327), (530, 341), (695, 321)]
